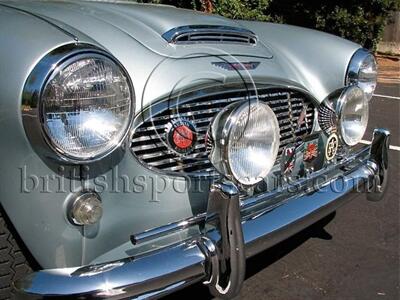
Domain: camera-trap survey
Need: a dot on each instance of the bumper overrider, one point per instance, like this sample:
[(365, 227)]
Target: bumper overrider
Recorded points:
[(218, 256)]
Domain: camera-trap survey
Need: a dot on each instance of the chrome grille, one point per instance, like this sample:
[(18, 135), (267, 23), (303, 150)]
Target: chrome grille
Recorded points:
[(149, 139)]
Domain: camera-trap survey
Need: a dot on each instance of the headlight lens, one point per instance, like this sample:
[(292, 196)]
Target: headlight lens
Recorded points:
[(248, 143), (353, 115), (363, 72), (86, 107)]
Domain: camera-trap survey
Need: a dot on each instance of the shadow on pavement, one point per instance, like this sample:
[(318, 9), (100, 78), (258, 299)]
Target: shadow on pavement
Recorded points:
[(264, 259)]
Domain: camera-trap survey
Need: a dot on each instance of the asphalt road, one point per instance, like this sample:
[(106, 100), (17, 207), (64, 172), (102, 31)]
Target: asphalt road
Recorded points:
[(353, 254)]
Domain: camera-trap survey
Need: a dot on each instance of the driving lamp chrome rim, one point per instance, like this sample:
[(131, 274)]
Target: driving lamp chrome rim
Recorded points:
[(351, 93), (220, 137), (32, 104), (354, 69)]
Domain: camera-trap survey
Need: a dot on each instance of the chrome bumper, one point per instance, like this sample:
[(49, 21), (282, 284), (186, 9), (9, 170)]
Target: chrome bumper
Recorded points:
[(217, 257)]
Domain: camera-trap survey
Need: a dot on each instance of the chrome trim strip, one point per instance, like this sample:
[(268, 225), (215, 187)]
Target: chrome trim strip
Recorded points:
[(172, 268), (167, 229)]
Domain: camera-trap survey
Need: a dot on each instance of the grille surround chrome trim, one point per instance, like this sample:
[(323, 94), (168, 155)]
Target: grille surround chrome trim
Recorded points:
[(195, 34), (164, 104)]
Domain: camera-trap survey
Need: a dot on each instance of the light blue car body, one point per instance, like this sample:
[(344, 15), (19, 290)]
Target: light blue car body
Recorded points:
[(312, 61)]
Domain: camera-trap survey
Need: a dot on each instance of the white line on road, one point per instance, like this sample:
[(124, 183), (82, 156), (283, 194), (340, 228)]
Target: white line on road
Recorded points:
[(388, 97), (396, 148)]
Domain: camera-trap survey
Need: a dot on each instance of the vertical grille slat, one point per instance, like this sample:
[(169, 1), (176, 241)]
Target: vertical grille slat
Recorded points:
[(149, 139)]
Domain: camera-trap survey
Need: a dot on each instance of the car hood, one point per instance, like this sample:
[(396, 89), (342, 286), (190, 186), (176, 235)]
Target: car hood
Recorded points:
[(146, 23)]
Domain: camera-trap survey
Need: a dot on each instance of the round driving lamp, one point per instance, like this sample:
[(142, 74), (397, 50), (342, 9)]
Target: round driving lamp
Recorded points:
[(352, 110), (244, 141), (86, 209), (362, 72)]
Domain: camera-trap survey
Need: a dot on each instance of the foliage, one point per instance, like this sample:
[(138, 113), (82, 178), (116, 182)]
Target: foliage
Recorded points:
[(362, 21), (243, 9)]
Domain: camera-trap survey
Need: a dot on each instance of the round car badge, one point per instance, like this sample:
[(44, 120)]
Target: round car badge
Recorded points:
[(181, 136), (332, 145)]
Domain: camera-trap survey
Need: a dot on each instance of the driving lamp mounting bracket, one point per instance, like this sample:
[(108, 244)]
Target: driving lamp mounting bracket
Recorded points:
[(223, 241)]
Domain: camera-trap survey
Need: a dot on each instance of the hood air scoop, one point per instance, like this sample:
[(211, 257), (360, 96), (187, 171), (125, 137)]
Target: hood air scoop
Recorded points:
[(210, 34)]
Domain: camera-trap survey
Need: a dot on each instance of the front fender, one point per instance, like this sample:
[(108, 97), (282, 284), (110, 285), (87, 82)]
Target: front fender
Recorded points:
[(36, 214), (314, 59)]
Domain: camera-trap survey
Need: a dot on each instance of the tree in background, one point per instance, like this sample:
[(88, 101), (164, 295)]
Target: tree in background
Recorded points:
[(243, 9), (361, 21), (234, 9)]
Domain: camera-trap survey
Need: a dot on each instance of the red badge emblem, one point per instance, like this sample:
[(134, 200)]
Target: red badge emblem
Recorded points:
[(181, 136), (311, 151)]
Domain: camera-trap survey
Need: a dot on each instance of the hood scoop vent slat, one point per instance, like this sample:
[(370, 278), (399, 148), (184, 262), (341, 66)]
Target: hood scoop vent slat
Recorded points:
[(210, 34)]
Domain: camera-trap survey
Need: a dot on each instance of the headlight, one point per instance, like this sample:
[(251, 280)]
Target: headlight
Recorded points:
[(86, 106), (362, 71), (245, 139), (352, 111)]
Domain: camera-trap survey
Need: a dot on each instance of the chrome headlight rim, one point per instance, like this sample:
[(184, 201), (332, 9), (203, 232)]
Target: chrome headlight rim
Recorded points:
[(220, 130), (46, 69), (341, 102), (354, 68)]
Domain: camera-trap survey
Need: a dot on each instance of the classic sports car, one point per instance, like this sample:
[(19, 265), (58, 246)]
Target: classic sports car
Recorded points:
[(147, 147)]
